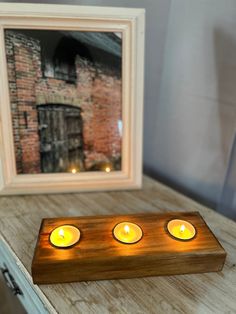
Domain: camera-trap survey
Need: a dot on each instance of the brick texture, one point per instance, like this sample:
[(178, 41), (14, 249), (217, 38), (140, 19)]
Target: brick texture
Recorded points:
[(97, 92)]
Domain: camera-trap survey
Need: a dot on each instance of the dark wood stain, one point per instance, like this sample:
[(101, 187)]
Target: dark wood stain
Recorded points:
[(99, 256)]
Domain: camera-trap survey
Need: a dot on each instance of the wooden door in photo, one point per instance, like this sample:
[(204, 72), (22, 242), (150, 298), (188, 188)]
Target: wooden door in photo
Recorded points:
[(61, 138)]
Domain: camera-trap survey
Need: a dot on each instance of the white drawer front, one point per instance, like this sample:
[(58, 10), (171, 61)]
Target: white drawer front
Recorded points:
[(29, 298)]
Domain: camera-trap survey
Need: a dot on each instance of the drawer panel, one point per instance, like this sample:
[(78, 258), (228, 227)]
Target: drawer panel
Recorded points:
[(28, 296)]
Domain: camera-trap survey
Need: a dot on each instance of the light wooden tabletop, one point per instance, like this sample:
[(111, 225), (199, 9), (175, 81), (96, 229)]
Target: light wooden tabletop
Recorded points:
[(20, 218)]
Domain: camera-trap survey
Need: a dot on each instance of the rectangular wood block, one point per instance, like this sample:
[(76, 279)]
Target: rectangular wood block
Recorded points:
[(99, 256)]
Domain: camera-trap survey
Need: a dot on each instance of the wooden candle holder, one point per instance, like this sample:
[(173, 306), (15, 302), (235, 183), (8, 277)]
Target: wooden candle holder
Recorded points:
[(99, 256)]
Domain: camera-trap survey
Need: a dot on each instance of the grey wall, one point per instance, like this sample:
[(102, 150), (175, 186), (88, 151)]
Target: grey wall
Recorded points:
[(227, 203), (190, 91), (196, 111)]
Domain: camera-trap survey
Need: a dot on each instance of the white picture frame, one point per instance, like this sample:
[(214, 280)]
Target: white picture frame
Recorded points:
[(130, 22)]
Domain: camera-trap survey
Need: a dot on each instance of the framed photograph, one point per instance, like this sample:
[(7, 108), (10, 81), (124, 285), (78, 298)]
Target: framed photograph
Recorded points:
[(71, 98)]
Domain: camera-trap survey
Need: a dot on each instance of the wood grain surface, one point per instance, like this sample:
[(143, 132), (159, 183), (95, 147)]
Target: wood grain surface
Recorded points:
[(20, 219), (99, 256)]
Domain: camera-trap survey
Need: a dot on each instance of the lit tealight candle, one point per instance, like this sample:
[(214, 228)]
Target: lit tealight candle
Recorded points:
[(127, 232), (65, 236), (181, 229), (108, 169)]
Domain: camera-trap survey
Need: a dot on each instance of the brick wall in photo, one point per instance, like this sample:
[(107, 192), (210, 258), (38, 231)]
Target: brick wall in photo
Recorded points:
[(24, 69), (101, 108)]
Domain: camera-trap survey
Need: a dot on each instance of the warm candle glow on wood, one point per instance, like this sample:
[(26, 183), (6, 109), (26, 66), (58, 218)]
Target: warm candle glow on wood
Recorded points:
[(104, 252), (127, 232), (181, 229), (65, 236)]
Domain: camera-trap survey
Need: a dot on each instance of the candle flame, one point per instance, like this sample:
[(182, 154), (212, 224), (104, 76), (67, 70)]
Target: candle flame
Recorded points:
[(61, 233), (73, 171), (126, 228), (107, 169), (182, 228)]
